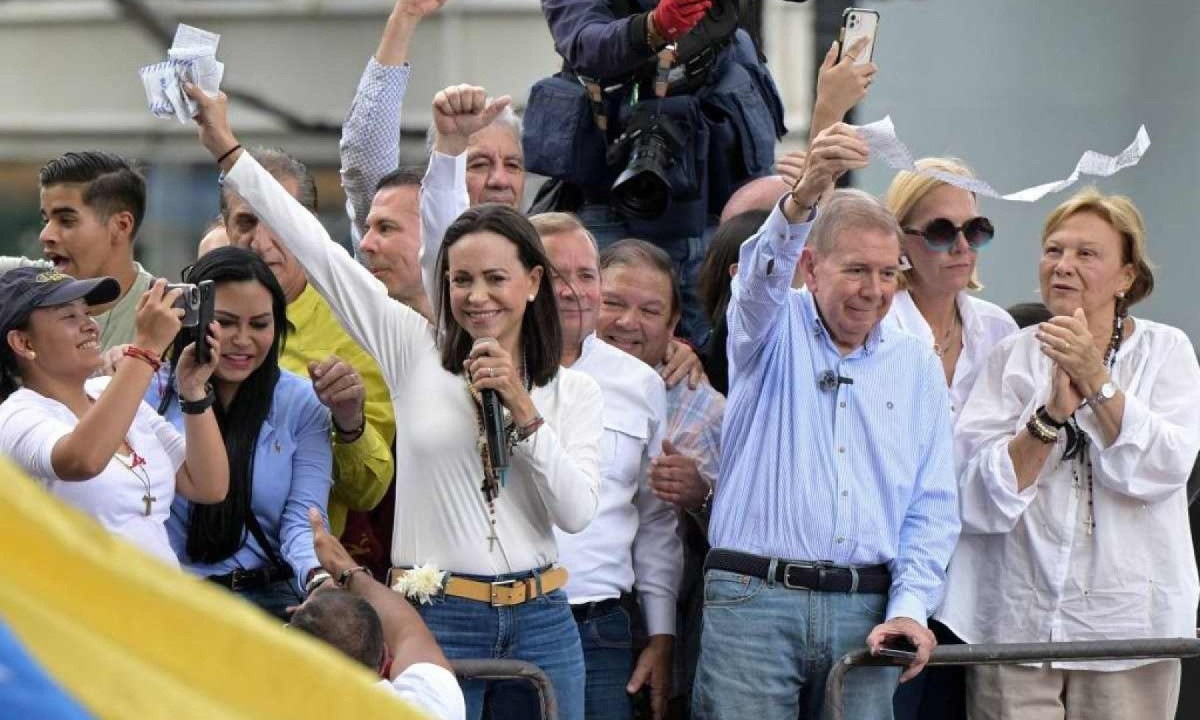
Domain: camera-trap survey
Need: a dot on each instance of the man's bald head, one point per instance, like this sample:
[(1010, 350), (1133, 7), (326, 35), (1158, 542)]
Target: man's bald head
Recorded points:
[(759, 194), (215, 237)]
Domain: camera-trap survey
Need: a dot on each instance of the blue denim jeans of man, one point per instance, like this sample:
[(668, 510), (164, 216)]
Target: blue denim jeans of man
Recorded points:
[(607, 640), (766, 651), (541, 631), (687, 254)]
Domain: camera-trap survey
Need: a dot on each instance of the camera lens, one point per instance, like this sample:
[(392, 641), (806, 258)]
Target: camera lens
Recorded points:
[(642, 190)]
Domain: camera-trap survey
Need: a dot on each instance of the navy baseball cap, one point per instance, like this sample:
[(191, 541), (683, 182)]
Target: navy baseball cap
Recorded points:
[(25, 289)]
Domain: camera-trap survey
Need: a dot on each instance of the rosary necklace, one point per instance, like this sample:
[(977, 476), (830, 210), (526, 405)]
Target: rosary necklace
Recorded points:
[(137, 467), (1077, 440), (493, 479)]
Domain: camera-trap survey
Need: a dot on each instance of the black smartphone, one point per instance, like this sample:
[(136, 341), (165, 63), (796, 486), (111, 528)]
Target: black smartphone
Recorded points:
[(899, 647), (203, 320)]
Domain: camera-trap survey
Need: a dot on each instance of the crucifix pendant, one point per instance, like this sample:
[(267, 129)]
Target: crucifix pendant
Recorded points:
[(492, 540), (148, 499)]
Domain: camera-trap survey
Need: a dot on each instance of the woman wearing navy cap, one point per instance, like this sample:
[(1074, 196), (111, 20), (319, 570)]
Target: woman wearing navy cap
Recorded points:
[(93, 442)]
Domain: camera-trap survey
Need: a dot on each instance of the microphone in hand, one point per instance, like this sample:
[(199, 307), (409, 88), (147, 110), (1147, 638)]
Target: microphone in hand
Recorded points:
[(493, 424)]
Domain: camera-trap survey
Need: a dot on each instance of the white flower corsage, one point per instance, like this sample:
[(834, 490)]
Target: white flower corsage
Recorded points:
[(420, 583)]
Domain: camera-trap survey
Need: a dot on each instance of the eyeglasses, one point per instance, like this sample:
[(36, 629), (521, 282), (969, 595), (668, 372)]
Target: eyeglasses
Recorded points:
[(940, 234)]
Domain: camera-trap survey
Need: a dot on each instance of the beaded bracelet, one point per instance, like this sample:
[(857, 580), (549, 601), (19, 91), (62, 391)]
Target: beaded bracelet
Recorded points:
[(520, 434), (1043, 416), (1040, 431)]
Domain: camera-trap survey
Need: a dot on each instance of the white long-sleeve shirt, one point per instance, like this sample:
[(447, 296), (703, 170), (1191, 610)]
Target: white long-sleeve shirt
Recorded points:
[(443, 198), (633, 541), (1026, 569), (983, 323), (441, 517)]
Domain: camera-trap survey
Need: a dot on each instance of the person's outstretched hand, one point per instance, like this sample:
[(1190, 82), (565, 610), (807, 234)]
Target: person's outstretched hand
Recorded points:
[(213, 122)]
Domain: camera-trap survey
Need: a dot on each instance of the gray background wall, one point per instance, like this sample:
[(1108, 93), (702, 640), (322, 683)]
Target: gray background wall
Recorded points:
[(1020, 88)]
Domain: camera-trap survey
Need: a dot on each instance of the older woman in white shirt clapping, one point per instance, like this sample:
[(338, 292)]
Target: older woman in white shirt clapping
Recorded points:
[(1077, 441)]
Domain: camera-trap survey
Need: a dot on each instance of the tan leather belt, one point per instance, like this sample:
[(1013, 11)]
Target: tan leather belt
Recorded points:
[(501, 593)]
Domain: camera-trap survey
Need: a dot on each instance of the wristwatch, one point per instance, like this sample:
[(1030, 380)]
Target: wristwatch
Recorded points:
[(1107, 392)]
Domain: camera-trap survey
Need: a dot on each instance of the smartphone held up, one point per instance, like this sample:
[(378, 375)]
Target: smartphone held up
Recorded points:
[(858, 24)]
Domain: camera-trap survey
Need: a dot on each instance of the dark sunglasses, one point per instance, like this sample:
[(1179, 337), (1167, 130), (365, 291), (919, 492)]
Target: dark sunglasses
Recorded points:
[(940, 234)]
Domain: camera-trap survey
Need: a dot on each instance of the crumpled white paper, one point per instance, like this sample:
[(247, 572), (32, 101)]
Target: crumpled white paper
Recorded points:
[(191, 58), (883, 143)]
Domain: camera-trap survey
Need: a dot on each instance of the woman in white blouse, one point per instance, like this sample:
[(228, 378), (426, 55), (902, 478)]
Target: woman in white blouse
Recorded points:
[(1077, 441), (473, 545), (943, 234), (92, 442)]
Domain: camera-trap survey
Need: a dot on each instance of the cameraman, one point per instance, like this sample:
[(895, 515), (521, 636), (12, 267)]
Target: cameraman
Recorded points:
[(645, 144)]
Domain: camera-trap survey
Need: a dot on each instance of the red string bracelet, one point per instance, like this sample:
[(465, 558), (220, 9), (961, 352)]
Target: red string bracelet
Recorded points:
[(144, 355)]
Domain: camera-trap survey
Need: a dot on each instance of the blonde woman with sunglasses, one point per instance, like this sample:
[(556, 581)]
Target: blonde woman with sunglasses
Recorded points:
[(943, 234)]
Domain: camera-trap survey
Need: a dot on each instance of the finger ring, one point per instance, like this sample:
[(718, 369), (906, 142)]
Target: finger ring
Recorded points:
[(490, 372)]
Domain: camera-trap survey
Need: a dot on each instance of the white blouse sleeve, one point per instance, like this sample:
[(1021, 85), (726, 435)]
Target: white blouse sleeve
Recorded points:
[(385, 328), (995, 412), (28, 435), (1153, 455), (564, 461), (171, 439)]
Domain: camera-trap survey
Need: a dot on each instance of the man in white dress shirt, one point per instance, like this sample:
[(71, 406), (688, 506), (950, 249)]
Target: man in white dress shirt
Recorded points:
[(632, 543)]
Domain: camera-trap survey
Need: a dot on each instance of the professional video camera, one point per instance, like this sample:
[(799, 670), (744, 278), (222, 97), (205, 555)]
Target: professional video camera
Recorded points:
[(650, 145)]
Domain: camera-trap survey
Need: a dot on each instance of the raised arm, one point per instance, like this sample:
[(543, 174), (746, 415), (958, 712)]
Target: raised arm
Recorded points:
[(87, 449), (459, 112), (204, 475), (386, 329), (403, 630), (840, 86), (768, 260), (370, 144)]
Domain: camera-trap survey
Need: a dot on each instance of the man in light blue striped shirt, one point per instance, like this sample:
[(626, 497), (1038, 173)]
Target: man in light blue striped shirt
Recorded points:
[(837, 509)]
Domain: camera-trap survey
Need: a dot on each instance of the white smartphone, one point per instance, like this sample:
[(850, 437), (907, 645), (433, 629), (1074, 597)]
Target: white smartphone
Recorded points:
[(858, 23)]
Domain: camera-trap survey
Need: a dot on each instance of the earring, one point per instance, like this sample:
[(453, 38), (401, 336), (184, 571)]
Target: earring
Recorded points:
[(532, 298), (32, 355)]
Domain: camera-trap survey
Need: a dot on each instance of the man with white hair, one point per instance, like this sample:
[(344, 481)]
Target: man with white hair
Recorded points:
[(837, 508)]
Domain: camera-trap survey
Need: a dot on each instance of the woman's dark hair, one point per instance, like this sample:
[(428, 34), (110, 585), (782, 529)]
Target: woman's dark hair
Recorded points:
[(217, 531), (10, 378), (541, 333), (715, 287)]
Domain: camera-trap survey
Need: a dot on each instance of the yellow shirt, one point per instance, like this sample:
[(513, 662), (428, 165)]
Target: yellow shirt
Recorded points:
[(363, 469)]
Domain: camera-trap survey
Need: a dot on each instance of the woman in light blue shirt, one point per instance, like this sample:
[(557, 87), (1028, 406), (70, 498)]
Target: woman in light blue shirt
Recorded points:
[(258, 542)]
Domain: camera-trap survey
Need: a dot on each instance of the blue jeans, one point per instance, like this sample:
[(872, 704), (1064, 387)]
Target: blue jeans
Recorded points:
[(541, 631), (608, 653), (766, 650), (687, 254)]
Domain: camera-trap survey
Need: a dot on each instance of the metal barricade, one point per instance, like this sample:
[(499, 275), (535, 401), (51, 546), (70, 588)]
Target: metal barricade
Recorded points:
[(486, 669), (1011, 654)]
